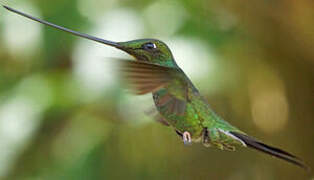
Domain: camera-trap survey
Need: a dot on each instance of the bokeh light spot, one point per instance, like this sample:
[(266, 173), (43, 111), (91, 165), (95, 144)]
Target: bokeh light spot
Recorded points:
[(22, 37), (270, 109)]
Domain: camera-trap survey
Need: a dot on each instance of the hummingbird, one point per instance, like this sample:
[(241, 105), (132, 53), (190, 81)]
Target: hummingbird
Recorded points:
[(178, 102)]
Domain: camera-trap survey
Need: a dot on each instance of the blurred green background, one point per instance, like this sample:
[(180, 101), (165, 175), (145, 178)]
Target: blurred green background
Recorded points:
[(64, 115)]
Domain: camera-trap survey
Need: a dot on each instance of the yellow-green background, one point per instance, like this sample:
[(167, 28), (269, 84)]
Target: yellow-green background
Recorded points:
[(64, 116)]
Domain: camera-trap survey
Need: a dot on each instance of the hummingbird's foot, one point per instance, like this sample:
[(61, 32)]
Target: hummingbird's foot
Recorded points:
[(206, 138), (186, 136)]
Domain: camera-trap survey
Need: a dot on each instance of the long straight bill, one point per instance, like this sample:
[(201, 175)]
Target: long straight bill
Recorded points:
[(110, 43)]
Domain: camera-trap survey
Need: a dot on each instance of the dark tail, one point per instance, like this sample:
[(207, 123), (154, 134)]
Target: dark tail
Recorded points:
[(253, 143)]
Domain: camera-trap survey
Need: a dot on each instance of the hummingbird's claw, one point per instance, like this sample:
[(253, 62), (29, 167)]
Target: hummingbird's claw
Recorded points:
[(186, 136)]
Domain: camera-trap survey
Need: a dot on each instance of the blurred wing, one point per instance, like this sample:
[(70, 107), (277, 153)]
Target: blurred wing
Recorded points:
[(151, 78), (146, 77)]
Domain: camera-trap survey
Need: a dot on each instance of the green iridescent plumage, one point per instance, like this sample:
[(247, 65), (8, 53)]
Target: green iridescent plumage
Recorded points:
[(177, 99), (178, 102)]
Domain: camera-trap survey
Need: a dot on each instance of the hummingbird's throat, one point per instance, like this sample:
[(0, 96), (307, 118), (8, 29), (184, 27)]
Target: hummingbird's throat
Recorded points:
[(140, 57), (130, 51)]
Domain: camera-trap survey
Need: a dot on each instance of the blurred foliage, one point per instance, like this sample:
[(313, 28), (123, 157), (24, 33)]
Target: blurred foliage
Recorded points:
[(55, 125)]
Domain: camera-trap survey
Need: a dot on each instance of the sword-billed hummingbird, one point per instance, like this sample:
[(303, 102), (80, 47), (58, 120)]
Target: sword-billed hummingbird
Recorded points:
[(177, 100)]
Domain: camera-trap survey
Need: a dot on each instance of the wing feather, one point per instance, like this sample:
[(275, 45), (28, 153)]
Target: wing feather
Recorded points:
[(146, 77)]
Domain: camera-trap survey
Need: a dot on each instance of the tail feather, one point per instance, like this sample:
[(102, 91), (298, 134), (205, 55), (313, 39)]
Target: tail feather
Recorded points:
[(273, 151)]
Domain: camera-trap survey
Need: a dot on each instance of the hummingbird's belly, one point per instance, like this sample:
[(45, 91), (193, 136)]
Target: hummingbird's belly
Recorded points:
[(187, 121)]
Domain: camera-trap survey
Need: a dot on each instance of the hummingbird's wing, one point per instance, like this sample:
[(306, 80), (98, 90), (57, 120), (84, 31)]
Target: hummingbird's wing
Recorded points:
[(149, 78), (146, 77)]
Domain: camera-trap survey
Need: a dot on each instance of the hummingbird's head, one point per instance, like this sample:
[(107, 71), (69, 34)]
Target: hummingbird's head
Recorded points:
[(150, 50)]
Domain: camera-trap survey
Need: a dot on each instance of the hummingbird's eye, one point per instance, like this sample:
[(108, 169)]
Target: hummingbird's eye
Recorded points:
[(149, 46)]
